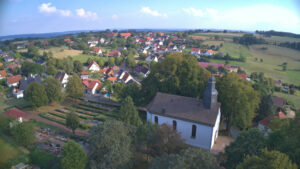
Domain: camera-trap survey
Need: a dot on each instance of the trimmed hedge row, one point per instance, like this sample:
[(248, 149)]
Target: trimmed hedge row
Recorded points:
[(101, 112), (58, 115), (82, 112), (109, 105), (92, 106), (44, 115)]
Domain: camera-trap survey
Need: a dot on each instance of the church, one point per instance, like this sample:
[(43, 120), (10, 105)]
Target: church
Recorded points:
[(196, 120)]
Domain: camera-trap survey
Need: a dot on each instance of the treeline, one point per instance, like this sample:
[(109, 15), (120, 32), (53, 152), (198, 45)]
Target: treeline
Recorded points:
[(248, 39), (275, 33), (292, 45)]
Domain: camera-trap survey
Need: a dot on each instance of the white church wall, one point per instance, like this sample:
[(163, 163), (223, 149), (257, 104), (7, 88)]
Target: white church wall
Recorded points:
[(216, 129), (203, 137)]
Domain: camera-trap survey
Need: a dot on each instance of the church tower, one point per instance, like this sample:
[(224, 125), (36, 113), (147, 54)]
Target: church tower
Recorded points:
[(210, 94)]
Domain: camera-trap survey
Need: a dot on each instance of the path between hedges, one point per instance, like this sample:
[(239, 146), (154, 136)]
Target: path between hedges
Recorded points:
[(52, 123)]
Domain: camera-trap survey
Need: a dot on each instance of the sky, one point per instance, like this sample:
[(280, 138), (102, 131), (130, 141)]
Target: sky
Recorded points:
[(44, 16)]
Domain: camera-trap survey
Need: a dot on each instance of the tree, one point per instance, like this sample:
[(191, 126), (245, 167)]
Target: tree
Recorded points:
[(74, 87), (73, 156), (268, 160), (68, 65), (36, 95), (32, 68), (284, 66), (51, 70), (53, 89), (190, 158), (239, 100), (72, 122), (78, 66), (212, 69), (33, 52), (5, 123), (43, 159), (111, 61), (130, 62), (249, 142), (292, 91), (110, 145), (266, 107), (131, 90), (128, 112), (23, 133)]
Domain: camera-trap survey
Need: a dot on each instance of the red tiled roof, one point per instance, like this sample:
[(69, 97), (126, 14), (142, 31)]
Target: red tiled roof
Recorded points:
[(96, 50), (112, 79), (15, 112), (109, 71), (2, 73), (125, 76), (45, 42), (114, 53), (278, 83), (93, 62), (195, 50), (84, 73), (13, 79), (68, 40), (266, 121), (90, 84), (125, 34), (103, 70), (243, 76)]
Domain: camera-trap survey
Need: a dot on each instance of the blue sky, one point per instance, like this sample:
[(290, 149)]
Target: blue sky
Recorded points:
[(42, 16)]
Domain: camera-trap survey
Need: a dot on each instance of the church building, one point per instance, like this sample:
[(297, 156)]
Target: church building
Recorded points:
[(196, 120)]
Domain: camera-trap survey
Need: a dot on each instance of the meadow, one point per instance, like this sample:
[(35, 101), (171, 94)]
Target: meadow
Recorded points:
[(62, 52), (295, 99)]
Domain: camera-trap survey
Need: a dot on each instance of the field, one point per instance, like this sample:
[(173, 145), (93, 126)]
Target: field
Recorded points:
[(213, 42), (83, 58), (235, 50), (279, 38), (220, 34), (62, 52), (295, 99)]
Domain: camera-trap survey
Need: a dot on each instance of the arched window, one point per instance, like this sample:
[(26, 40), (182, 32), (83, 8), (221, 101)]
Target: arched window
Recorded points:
[(156, 120), (174, 125), (194, 128)]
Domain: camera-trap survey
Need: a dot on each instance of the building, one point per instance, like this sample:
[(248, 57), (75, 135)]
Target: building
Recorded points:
[(2, 74), (13, 80), (84, 75), (91, 86), (114, 53), (196, 120), (125, 77), (94, 67), (195, 51), (264, 124), (16, 113), (97, 51), (25, 81), (62, 78)]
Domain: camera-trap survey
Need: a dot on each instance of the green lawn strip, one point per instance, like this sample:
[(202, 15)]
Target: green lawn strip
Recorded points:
[(79, 114), (95, 110), (93, 106), (7, 151), (108, 105), (82, 112), (53, 118)]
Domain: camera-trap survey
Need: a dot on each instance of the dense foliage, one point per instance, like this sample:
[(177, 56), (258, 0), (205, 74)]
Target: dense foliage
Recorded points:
[(36, 95), (73, 156), (74, 86), (129, 113)]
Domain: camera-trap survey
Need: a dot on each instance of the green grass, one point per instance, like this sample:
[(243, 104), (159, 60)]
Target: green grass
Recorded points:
[(295, 99), (6, 103), (235, 50), (7, 151)]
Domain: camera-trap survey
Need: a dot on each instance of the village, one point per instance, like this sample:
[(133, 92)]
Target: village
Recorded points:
[(118, 70)]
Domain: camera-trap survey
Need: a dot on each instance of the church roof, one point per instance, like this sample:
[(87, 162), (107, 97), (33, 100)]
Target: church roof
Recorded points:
[(184, 108)]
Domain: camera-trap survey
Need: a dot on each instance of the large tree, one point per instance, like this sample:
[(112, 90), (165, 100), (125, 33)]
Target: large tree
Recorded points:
[(72, 121), (249, 142), (74, 86), (36, 95), (78, 66), (129, 113), (191, 158), (268, 160), (110, 145), (178, 73), (53, 89), (32, 68), (73, 156), (266, 107), (23, 133), (239, 100)]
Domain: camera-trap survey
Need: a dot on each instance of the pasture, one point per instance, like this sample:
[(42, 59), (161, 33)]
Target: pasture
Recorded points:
[(62, 52), (235, 50)]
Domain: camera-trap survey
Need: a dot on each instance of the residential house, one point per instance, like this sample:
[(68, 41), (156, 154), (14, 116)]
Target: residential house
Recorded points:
[(264, 124), (125, 76), (278, 102), (97, 51), (13, 81), (278, 83), (112, 34), (94, 67), (91, 86), (125, 35), (2, 74), (21, 46), (92, 43), (102, 40), (114, 53), (68, 40), (62, 78), (17, 93), (84, 75), (152, 58), (16, 113), (196, 120), (195, 51), (234, 68), (112, 79), (142, 70), (8, 58), (207, 52), (25, 81)]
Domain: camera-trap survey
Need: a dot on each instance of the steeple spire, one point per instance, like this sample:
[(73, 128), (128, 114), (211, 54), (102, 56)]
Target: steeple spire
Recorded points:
[(210, 94)]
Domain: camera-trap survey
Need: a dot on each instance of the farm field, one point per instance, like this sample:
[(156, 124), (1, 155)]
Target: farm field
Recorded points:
[(279, 38), (220, 34), (295, 99), (235, 50)]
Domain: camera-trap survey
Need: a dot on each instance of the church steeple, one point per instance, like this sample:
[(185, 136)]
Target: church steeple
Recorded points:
[(210, 94)]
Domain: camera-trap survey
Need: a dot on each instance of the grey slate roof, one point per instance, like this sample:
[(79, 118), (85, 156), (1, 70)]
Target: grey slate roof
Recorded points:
[(25, 81), (185, 108)]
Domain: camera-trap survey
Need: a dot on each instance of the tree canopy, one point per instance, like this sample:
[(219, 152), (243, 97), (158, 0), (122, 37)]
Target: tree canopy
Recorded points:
[(129, 113), (32, 68), (23, 133), (74, 86), (73, 156), (53, 89), (36, 95), (72, 121)]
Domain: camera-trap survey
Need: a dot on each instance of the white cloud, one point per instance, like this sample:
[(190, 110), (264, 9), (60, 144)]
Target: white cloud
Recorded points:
[(47, 8), (86, 14), (114, 17), (193, 11), (147, 10)]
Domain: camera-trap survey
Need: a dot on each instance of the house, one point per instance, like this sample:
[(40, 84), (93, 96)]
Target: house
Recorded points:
[(195, 51), (234, 68), (45, 42), (68, 40), (97, 51), (114, 53), (21, 46), (112, 34), (84, 75), (278, 83), (92, 43), (17, 93), (112, 79), (142, 70), (125, 76), (152, 58), (25, 81), (102, 40), (196, 120), (16, 113), (91, 86), (62, 78), (12, 66), (2, 74), (8, 59), (263, 125), (278, 101), (94, 67), (125, 35), (207, 52), (13, 80)]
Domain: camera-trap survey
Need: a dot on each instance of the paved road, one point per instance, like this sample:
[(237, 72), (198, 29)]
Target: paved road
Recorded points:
[(52, 123)]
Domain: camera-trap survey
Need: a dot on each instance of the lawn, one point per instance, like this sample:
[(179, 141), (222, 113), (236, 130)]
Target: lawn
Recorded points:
[(295, 99), (235, 50), (7, 151), (62, 52), (83, 58), (213, 42)]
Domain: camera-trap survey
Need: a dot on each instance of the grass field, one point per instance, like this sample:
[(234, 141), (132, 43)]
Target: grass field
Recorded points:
[(7, 151), (83, 58), (6, 103), (220, 34), (235, 50), (62, 52), (295, 99), (213, 42), (279, 38)]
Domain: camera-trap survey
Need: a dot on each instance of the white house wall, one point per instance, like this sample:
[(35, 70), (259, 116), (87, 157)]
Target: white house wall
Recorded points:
[(203, 137)]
